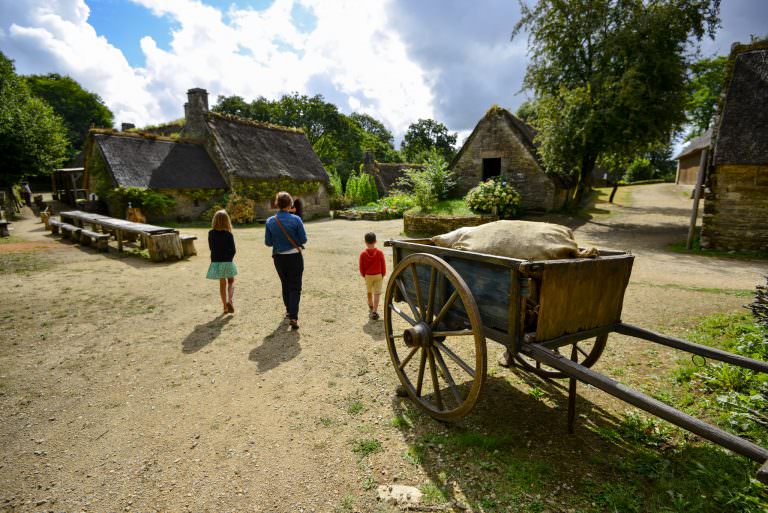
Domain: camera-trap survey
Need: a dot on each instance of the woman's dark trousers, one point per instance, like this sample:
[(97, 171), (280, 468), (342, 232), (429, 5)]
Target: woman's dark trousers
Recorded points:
[(290, 269)]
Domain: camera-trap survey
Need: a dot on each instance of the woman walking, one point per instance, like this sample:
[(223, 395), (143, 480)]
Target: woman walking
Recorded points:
[(285, 234), (222, 268)]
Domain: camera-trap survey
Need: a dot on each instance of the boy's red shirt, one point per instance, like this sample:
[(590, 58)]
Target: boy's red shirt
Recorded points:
[(372, 262)]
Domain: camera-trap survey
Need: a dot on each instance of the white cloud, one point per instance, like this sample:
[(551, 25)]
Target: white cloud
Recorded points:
[(350, 56)]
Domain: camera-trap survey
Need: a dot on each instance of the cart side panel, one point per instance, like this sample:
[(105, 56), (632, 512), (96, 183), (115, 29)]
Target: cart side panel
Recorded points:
[(489, 284), (581, 295)]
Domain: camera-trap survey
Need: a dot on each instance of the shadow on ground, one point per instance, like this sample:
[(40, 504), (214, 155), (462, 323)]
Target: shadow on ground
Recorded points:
[(278, 347), (374, 329), (513, 453), (204, 334)]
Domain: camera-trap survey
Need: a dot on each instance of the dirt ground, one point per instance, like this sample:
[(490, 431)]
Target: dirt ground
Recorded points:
[(122, 387)]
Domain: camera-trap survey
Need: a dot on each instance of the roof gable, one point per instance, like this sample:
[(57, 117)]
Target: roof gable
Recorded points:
[(265, 152), (158, 164), (742, 133), (695, 144)]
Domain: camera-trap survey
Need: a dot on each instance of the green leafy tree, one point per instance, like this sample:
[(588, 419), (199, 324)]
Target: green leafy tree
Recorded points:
[(527, 112), (376, 137), (424, 135), (33, 139), (704, 88), (80, 109), (610, 76)]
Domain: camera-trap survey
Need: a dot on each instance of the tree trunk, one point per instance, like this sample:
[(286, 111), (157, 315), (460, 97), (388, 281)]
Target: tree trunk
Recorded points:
[(585, 180), (164, 246), (613, 192)]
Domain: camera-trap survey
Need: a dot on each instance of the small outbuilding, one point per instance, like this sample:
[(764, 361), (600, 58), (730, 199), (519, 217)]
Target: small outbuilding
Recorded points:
[(689, 159), (503, 145), (386, 175), (736, 206)]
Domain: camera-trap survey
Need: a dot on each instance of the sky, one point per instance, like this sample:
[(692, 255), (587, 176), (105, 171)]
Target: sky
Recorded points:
[(397, 60)]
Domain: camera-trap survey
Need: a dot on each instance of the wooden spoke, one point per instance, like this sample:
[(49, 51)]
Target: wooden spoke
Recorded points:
[(417, 286), (431, 300), (447, 374), (397, 335), (407, 298), (447, 306), (408, 358), (402, 314), (420, 380), (461, 363), (586, 355), (459, 333), (435, 384)]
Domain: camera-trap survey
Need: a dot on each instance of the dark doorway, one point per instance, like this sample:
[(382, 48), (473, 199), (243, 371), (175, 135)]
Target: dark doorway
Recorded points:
[(491, 168)]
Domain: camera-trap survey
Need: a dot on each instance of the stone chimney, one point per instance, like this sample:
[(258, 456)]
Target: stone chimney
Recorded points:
[(124, 127), (194, 111)]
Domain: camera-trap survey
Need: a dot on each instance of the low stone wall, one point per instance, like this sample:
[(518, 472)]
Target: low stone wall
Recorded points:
[(425, 224)]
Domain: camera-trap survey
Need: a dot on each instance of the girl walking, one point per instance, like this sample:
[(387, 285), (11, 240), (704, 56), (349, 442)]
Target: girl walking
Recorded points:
[(222, 268)]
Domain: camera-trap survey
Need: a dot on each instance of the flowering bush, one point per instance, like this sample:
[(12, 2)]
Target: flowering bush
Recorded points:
[(494, 196)]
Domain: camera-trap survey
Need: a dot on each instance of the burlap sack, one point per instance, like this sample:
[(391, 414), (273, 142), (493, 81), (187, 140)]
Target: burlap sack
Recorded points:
[(525, 240)]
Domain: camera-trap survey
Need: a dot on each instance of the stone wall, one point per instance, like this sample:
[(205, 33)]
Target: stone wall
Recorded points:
[(428, 225), (495, 138), (688, 168), (186, 209), (315, 205), (736, 209)]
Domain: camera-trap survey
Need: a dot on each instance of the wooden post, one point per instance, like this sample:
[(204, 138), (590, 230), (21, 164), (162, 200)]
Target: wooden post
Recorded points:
[(165, 245), (119, 237), (696, 197)]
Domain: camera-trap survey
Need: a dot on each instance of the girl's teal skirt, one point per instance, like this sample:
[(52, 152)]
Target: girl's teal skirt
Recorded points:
[(221, 270)]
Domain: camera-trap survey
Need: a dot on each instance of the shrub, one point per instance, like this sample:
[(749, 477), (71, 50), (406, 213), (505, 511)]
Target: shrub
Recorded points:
[(361, 189), (438, 174), (337, 187), (398, 201), (494, 196), (151, 202), (241, 210), (430, 184)]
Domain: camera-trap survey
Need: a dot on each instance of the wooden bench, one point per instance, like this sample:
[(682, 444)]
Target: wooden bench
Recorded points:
[(101, 240), (4, 229), (54, 225), (188, 245), (71, 232)]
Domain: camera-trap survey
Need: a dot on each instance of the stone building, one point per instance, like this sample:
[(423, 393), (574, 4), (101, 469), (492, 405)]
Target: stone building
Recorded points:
[(689, 159), (502, 145), (213, 155), (385, 174), (736, 206)]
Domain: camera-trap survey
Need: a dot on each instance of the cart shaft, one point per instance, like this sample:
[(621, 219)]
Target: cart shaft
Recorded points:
[(690, 347), (649, 404)]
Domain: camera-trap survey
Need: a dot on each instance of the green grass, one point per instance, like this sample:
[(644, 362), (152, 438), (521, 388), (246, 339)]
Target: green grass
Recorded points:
[(432, 494), (23, 263), (355, 407), (12, 239), (706, 290), (696, 249), (449, 207), (366, 447)]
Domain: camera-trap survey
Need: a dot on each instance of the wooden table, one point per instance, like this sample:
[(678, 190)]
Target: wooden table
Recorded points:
[(161, 241)]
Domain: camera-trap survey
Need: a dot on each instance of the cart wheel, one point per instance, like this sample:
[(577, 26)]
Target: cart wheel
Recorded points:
[(587, 353), (434, 335)]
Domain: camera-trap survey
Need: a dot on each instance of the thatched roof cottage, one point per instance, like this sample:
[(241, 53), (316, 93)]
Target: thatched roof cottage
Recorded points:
[(736, 206), (214, 154), (502, 145)]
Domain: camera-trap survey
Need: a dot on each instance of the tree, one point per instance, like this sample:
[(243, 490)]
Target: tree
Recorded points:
[(527, 112), (425, 135), (609, 75), (80, 109), (32, 138), (376, 137), (704, 88)]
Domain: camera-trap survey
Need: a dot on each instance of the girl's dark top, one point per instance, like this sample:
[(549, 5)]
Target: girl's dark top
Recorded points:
[(298, 205), (222, 245)]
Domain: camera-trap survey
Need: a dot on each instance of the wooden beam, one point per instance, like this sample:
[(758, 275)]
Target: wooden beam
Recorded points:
[(696, 197)]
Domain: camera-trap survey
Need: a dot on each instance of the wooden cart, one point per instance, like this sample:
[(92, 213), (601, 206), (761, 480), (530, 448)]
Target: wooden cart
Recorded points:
[(553, 317)]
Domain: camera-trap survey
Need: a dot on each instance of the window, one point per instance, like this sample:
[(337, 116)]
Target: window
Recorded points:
[(491, 168)]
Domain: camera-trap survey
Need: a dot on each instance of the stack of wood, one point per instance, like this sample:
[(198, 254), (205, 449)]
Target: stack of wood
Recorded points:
[(760, 306)]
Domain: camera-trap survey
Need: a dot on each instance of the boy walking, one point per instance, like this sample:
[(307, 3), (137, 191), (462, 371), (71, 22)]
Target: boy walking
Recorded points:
[(373, 269)]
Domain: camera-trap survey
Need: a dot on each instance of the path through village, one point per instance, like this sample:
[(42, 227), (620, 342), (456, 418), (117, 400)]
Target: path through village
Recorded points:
[(122, 388)]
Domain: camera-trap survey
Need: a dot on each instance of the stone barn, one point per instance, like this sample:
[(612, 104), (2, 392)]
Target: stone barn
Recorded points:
[(213, 155), (689, 159), (736, 206), (386, 174), (502, 145)]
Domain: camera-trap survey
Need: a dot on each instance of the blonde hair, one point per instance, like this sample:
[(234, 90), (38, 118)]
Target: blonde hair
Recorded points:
[(221, 221)]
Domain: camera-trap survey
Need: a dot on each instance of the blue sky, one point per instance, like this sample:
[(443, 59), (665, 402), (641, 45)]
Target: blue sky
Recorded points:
[(398, 60)]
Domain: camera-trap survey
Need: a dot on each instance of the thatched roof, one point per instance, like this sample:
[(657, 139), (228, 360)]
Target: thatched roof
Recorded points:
[(696, 144), (158, 164), (265, 152), (742, 131), (526, 134)]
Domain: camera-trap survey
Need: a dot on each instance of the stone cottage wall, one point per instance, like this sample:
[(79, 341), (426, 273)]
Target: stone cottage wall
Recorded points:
[(496, 139), (315, 205), (186, 209), (736, 209)]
